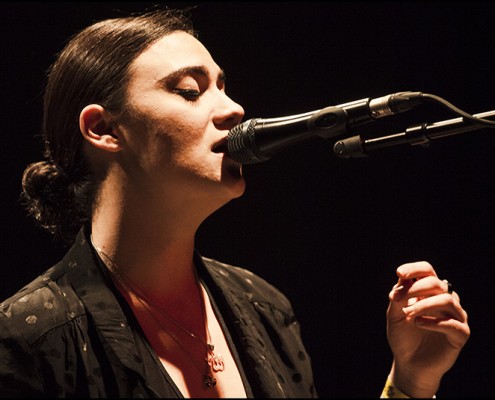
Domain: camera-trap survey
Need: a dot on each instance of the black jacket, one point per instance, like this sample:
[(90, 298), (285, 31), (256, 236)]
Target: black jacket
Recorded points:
[(69, 333)]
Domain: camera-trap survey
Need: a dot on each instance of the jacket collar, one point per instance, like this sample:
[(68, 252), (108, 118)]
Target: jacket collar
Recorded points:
[(96, 291)]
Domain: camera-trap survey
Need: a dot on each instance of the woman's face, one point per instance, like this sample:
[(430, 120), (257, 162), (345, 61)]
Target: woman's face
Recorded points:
[(174, 134)]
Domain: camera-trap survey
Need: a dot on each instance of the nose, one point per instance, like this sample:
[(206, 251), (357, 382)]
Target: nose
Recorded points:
[(229, 113)]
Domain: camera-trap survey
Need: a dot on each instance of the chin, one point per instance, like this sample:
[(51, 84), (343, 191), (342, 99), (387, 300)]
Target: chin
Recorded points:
[(232, 180), (238, 187)]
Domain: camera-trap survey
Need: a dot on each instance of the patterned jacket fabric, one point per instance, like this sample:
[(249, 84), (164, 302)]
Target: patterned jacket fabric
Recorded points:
[(70, 333)]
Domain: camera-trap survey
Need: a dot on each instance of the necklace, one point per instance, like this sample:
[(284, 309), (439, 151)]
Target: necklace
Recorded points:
[(214, 362)]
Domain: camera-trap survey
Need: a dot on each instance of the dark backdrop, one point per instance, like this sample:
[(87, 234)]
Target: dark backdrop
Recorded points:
[(329, 232)]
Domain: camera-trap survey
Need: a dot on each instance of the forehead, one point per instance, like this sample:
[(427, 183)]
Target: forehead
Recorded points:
[(171, 53)]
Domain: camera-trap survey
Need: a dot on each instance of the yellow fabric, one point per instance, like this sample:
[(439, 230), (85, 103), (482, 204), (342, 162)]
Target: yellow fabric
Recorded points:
[(391, 392)]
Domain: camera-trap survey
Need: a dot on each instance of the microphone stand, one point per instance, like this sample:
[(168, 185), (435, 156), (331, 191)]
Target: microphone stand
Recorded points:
[(421, 134)]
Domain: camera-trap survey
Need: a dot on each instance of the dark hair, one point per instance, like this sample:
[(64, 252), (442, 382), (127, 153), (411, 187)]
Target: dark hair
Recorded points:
[(59, 192)]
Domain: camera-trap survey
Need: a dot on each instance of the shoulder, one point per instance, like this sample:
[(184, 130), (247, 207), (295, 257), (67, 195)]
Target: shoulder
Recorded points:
[(46, 302), (55, 298)]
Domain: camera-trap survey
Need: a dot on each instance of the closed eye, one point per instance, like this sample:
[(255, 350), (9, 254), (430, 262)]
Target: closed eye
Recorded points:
[(188, 94)]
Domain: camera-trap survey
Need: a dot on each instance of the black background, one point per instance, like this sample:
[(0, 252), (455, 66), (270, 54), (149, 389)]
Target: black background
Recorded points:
[(329, 232)]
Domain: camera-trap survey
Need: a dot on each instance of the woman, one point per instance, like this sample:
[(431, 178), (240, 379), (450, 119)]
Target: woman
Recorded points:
[(135, 124)]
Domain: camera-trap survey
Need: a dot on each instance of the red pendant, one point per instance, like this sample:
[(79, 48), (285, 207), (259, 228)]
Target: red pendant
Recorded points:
[(216, 362)]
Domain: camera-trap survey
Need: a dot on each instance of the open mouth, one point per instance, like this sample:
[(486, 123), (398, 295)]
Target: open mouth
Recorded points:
[(220, 147)]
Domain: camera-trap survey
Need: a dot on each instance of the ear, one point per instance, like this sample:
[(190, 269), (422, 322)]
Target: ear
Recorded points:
[(96, 129)]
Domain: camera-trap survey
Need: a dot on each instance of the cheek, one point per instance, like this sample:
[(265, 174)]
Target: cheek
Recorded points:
[(157, 138), (182, 135), (174, 146), (146, 143)]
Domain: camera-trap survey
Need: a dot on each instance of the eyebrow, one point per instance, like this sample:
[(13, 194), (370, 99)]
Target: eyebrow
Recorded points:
[(192, 70)]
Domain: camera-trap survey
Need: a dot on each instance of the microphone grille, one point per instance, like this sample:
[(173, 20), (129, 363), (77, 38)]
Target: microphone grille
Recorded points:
[(241, 143)]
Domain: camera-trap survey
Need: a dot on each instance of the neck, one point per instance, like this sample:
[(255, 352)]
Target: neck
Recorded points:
[(153, 246), (165, 272)]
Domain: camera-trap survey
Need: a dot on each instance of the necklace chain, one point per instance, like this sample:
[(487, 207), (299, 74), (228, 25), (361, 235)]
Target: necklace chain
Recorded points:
[(214, 362)]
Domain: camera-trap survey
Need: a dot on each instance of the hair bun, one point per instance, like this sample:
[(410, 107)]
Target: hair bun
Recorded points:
[(45, 189), (43, 179)]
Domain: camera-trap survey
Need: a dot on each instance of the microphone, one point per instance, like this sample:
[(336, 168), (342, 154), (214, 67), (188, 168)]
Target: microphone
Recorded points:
[(259, 139)]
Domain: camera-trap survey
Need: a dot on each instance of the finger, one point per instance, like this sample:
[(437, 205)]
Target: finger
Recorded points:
[(422, 287), (441, 305), (429, 286), (458, 332), (415, 270)]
